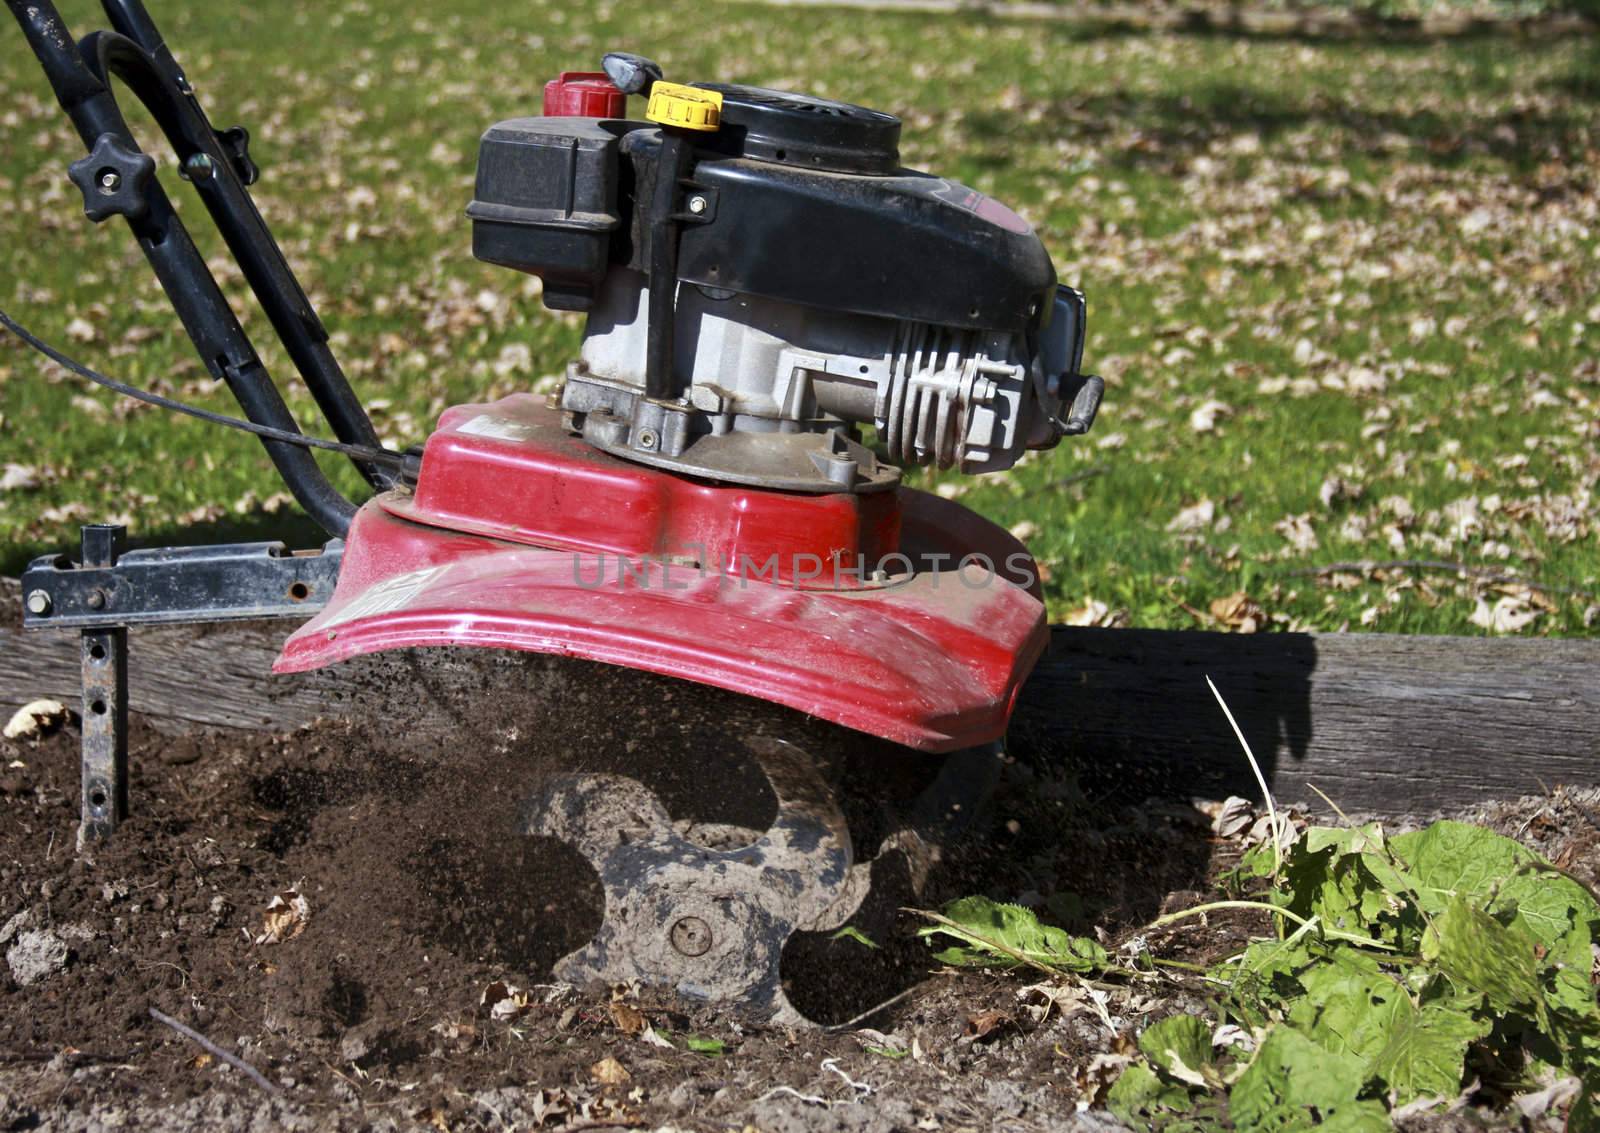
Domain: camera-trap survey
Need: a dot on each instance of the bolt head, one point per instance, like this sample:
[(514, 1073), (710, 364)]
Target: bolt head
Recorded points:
[(647, 438), (96, 599), (199, 166), (39, 604), (110, 180), (691, 936), (698, 205)]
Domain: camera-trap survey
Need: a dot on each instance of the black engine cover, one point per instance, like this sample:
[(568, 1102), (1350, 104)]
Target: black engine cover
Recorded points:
[(804, 201)]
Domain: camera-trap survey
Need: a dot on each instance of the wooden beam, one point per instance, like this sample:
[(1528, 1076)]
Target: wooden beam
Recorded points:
[(216, 675), (1385, 724)]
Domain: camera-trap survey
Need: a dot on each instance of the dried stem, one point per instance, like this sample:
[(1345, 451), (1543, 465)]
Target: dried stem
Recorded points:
[(210, 1047)]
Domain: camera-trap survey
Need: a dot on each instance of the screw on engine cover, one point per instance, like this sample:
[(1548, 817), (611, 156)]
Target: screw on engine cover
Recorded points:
[(691, 936), (39, 604), (199, 166), (110, 181), (96, 599), (647, 438), (698, 205)]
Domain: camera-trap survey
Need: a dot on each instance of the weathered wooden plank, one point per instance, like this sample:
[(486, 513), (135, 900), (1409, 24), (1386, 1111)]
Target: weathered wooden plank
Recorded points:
[(215, 675), (1384, 724)]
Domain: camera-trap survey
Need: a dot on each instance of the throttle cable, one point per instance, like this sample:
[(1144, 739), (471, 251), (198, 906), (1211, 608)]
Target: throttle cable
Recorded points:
[(399, 462)]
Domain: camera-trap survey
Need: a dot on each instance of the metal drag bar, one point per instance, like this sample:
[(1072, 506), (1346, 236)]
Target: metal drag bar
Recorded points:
[(110, 590)]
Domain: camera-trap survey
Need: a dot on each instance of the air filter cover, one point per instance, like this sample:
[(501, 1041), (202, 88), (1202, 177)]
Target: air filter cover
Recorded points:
[(804, 130)]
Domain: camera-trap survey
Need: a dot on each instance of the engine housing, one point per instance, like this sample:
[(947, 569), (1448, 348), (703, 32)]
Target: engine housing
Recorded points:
[(817, 287)]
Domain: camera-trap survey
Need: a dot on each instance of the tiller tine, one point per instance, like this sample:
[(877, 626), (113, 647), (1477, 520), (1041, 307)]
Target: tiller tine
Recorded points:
[(709, 923)]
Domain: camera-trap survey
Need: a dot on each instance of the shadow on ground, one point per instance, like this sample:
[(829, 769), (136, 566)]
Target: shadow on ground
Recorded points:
[(1130, 713), (1178, 126)]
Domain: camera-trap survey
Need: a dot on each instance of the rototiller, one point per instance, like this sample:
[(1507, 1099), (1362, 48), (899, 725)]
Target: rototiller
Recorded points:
[(764, 283)]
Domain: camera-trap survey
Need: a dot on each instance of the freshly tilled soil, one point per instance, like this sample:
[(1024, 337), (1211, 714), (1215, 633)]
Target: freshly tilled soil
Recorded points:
[(401, 837)]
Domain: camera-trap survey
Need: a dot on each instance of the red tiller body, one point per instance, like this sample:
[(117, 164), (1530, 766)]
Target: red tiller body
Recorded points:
[(522, 536)]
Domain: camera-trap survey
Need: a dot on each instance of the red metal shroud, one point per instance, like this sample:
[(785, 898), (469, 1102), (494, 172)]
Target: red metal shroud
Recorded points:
[(520, 536)]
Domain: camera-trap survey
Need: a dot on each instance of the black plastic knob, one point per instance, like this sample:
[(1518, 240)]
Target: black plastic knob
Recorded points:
[(114, 179)]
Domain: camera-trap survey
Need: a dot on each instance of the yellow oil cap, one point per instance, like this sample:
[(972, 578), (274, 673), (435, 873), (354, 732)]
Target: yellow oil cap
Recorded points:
[(688, 108)]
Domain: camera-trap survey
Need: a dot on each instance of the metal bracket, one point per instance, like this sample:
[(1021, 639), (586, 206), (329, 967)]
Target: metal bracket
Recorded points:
[(110, 590), (168, 585), (105, 705)]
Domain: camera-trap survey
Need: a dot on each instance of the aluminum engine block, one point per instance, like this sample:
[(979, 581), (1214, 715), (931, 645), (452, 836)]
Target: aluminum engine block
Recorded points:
[(774, 386)]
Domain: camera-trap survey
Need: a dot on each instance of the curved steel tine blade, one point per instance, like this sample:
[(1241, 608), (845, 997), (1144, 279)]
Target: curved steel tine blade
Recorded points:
[(711, 924), (945, 809), (596, 814), (809, 839), (948, 805)]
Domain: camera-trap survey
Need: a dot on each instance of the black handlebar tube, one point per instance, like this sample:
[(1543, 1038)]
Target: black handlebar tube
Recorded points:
[(209, 321), (235, 214)]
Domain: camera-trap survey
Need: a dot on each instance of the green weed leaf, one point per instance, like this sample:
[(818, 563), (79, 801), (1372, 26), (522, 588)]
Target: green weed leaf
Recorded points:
[(1506, 879), (1180, 1047), (1294, 1083), (1427, 1049), (850, 932), (1480, 954), (1142, 1099), (995, 935), (1348, 1005)]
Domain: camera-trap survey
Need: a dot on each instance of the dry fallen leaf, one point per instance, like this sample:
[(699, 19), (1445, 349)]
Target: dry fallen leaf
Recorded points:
[(1298, 531), (1041, 999), (504, 1000), (1558, 1093), (1195, 517), (1509, 614), (987, 1025), (1337, 488), (461, 1036), (654, 1038), (1234, 817), (609, 1072), (285, 917), (628, 1019), (36, 718), (549, 1103), (1204, 418), (1239, 612), (1094, 612), (434, 1117), (18, 478), (1096, 1077)]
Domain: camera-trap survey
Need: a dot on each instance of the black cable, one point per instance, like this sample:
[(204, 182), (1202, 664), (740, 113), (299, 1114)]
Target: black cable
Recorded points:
[(381, 456)]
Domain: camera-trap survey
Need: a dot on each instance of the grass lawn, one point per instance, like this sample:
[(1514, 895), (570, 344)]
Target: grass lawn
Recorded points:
[(1347, 296)]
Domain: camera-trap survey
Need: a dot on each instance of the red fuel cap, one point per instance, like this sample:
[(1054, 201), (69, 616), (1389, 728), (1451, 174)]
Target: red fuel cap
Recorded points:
[(583, 94)]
